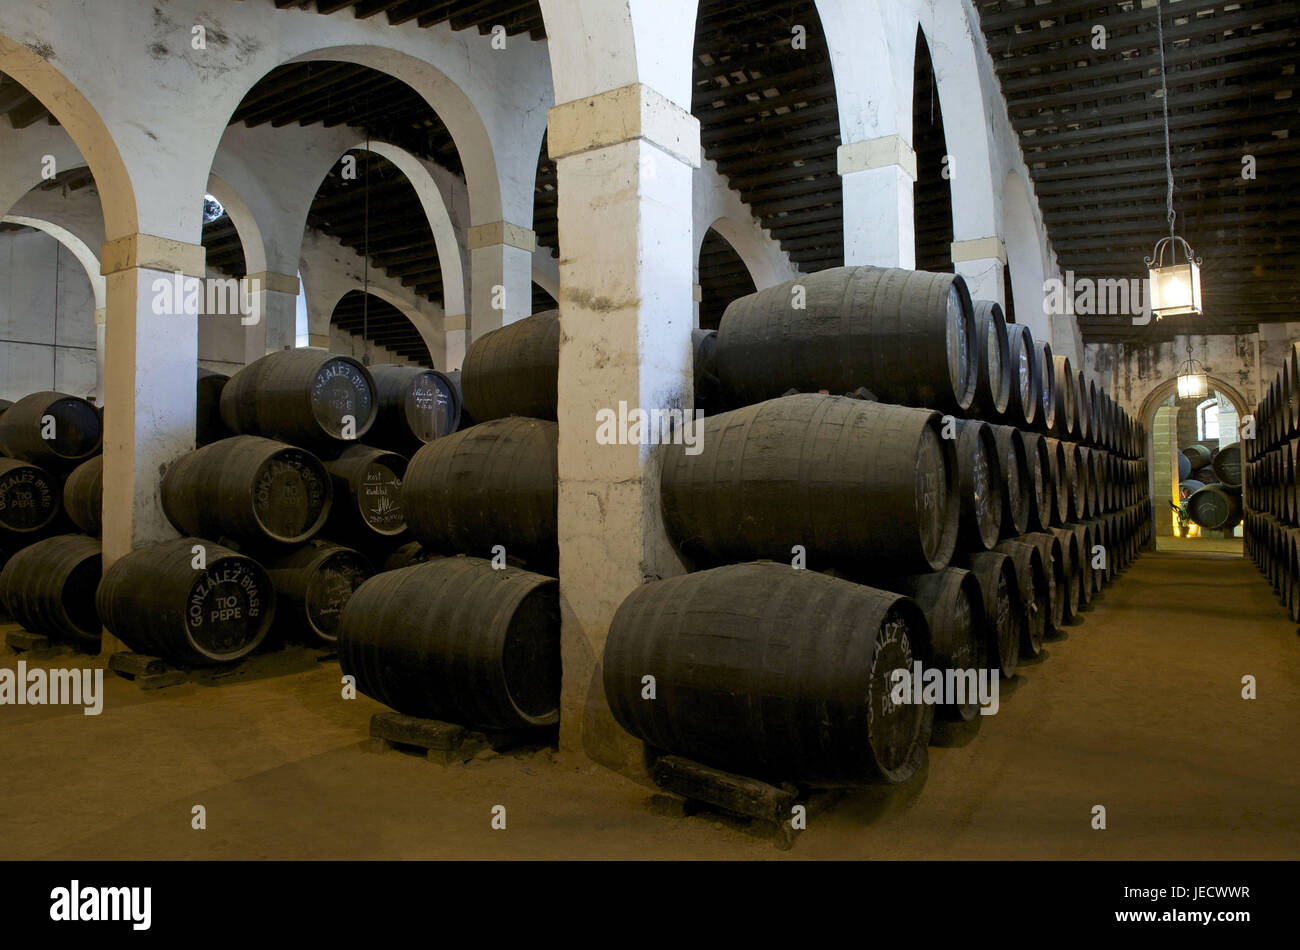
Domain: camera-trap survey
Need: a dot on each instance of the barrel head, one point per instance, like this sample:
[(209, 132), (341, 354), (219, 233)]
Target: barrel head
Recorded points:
[(29, 497), (291, 495), (341, 389), (228, 608)]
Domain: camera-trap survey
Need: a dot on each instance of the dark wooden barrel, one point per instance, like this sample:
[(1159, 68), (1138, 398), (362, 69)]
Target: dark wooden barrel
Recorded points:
[(413, 406), (83, 495), (514, 370), (1067, 398), (412, 552), (1215, 508), (1082, 408), (995, 372), (495, 483), (1041, 487), (72, 425), (1206, 476), (953, 605), (249, 489), (49, 588), (979, 486), (1053, 559), (1004, 611), (1071, 560), (1047, 395), (301, 396), (907, 336), (367, 502), (814, 653), (1083, 534), (704, 362), (1198, 456), (1023, 408), (1035, 598), (30, 500), (209, 427), (1076, 480), (159, 603), (456, 640), (313, 584), (1227, 464), (1017, 480), (854, 482), (1057, 475)]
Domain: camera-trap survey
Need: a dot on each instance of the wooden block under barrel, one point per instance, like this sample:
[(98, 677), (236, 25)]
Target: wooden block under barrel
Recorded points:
[(22, 640), (136, 664), (432, 734), (738, 794)]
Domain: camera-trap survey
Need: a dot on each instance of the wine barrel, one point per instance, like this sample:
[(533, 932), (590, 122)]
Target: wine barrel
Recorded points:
[(1076, 480), (907, 336), (1017, 480), (49, 588), (413, 406), (1198, 456), (1067, 398), (159, 602), (29, 499), (704, 360), (1071, 563), (995, 372), (456, 640), (367, 490), (209, 427), (979, 486), (1227, 464), (250, 489), (856, 483), (1082, 409), (1024, 406), (813, 655), (1057, 475), (1187, 486), (1083, 533), (954, 612), (495, 483), (1049, 549), (1206, 476), (1004, 611), (304, 397), (314, 583), (1031, 577), (53, 430), (1041, 486), (1215, 508), (1047, 394), (83, 495), (514, 370)]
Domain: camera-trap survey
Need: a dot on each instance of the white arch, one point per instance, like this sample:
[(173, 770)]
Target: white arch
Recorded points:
[(419, 321), (85, 256), (1024, 256)]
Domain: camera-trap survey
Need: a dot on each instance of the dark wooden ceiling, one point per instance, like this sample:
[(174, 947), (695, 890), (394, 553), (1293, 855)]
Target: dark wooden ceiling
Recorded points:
[(517, 16), (1090, 125), (370, 319), (932, 192), (723, 278)]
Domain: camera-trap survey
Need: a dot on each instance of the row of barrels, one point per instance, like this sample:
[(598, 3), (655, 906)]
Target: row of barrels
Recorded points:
[(910, 338), (882, 479), (1271, 491), (817, 655)]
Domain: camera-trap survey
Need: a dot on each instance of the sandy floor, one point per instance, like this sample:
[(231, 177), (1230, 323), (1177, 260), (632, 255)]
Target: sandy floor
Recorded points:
[(1139, 710)]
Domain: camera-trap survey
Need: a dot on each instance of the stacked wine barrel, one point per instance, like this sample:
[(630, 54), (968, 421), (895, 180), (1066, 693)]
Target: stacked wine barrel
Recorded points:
[(1271, 492), (291, 496), (464, 622), (50, 482), (1210, 484), (889, 473)]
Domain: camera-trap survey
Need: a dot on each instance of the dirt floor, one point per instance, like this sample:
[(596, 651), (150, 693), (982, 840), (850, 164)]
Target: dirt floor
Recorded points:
[(1138, 709)]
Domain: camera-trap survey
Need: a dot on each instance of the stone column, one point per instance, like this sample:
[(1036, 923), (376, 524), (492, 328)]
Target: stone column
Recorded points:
[(625, 160), (877, 176), (151, 360), (276, 298), (981, 263), (456, 332), (501, 274)]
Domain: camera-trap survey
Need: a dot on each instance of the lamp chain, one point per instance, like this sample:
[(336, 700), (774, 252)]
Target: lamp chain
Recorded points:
[(1164, 103)]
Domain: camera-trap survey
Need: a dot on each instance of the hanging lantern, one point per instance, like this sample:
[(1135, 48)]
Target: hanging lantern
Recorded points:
[(1175, 285), (1192, 382)]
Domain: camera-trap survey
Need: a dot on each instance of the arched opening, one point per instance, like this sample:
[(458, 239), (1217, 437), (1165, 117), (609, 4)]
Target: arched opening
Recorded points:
[(764, 93), (542, 299), (723, 278), (1185, 437), (932, 193), (546, 203), (375, 331)]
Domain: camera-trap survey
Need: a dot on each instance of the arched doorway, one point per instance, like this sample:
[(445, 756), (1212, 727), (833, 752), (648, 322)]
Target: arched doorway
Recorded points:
[(1185, 434)]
